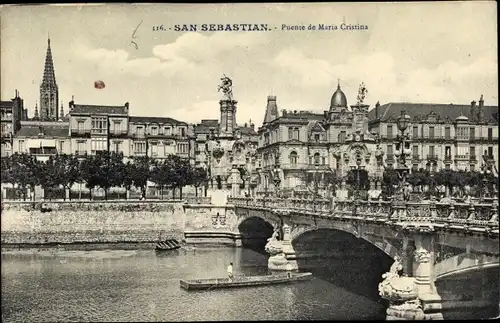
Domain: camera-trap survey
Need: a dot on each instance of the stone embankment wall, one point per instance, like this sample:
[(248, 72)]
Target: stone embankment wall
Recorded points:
[(91, 222)]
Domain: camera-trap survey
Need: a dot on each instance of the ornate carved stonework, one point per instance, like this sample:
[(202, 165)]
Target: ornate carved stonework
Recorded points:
[(422, 256), (402, 294)]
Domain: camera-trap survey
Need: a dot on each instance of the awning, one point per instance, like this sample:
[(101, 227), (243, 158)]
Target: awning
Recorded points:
[(34, 143), (48, 143)]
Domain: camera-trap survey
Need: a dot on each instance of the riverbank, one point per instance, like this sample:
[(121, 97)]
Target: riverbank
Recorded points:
[(107, 222)]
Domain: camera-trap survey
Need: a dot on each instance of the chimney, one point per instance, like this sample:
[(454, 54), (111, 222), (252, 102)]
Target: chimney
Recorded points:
[(481, 109), (473, 111), (377, 106), (72, 103), (126, 107)]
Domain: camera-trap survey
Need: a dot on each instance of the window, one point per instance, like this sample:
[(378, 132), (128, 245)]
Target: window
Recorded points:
[(290, 133), (168, 131), (139, 131), (431, 151), (21, 146), (154, 149), (415, 151), (447, 166), (182, 148), (447, 151), (80, 126), (472, 167), (182, 132), (472, 133), (154, 131), (116, 127), (266, 139), (316, 137), (293, 158), (447, 133), (117, 146), (60, 147), (98, 145), (472, 151), (342, 136), (139, 148), (80, 148), (490, 151), (316, 158), (99, 124), (431, 132), (389, 131), (490, 134), (296, 134), (415, 131), (389, 150), (323, 160)]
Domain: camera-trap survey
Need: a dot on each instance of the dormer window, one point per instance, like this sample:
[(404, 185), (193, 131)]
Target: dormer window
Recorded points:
[(316, 137), (154, 131)]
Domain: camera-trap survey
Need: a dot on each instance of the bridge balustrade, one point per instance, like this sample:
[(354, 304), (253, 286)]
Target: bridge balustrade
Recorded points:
[(459, 215)]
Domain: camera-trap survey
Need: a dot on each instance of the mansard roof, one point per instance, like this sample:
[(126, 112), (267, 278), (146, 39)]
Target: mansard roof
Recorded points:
[(160, 120), (6, 105), (392, 110), (247, 131), (98, 109), (206, 125)]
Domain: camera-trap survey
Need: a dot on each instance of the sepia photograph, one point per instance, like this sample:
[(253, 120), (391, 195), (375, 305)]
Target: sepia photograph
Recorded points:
[(249, 161)]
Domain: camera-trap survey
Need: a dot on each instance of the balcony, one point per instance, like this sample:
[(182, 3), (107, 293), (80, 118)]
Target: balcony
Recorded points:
[(80, 132), (447, 158), (462, 157), (81, 153), (99, 131), (118, 133), (432, 157), (415, 157), (390, 158)]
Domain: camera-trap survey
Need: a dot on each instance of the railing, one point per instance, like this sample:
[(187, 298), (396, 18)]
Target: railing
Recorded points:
[(461, 216)]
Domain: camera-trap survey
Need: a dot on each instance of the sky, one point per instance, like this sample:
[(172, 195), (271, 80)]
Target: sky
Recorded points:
[(425, 52)]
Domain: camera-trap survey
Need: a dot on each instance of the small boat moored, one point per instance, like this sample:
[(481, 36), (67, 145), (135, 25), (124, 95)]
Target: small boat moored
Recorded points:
[(170, 244), (244, 281)]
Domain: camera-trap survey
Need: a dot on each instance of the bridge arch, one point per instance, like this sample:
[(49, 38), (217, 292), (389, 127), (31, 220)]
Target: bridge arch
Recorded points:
[(381, 243)]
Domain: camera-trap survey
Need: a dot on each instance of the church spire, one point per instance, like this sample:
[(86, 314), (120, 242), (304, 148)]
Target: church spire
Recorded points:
[(35, 116), (49, 92), (49, 76)]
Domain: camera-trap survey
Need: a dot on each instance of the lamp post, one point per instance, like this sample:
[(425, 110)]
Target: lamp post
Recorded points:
[(402, 151), (357, 168), (485, 172), (276, 175)]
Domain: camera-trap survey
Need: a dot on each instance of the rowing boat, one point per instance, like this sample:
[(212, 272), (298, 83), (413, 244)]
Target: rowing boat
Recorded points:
[(167, 245), (244, 281)]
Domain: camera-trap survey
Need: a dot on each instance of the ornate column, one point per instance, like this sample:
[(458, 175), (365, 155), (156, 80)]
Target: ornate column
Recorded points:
[(423, 271), (282, 255)]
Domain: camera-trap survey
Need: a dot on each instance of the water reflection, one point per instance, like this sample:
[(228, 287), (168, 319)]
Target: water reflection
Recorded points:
[(144, 286)]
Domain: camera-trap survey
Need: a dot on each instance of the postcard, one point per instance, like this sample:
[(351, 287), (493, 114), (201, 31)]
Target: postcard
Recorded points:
[(338, 160)]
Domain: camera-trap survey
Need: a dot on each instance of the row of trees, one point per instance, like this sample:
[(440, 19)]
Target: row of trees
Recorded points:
[(104, 170), (457, 183)]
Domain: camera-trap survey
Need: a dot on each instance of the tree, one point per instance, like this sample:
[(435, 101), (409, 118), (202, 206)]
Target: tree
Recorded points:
[(111, 174), (25, 172), (199, 177), (161, 174), (91, 171), (141, 173), (50, 176), (6, 166), (68, 171), (128, 173)]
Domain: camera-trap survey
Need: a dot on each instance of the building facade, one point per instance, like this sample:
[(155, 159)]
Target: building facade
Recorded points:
[(299, 148), (12, 114), (443, 136)]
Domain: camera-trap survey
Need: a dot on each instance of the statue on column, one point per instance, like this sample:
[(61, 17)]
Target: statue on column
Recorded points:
[(226, 87)]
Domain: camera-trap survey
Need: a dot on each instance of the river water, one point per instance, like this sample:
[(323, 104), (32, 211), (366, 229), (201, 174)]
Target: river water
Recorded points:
[(142, 285)]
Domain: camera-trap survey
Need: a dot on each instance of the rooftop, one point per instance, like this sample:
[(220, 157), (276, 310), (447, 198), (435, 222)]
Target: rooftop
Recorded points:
[(49, 129), (443, 111), (98, 109), (162, 120)]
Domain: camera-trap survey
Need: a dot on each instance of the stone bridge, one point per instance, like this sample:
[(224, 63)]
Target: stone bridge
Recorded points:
[(435, 241)]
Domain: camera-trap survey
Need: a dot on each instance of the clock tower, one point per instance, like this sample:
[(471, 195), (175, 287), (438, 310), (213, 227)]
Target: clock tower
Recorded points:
[(49, 92)]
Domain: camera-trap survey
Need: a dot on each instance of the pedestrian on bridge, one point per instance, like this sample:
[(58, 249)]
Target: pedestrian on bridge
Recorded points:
[(230, 271)]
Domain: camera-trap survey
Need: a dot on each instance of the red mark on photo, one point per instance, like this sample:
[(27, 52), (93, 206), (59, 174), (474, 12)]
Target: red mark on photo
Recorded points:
[(99, 85)]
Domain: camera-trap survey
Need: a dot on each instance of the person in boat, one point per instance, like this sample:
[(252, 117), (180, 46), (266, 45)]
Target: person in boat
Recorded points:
[(230, 271)]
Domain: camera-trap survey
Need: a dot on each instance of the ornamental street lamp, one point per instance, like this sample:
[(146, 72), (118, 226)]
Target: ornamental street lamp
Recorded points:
[(357, 169), (485, 173), (276, 175), (402, 151)]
